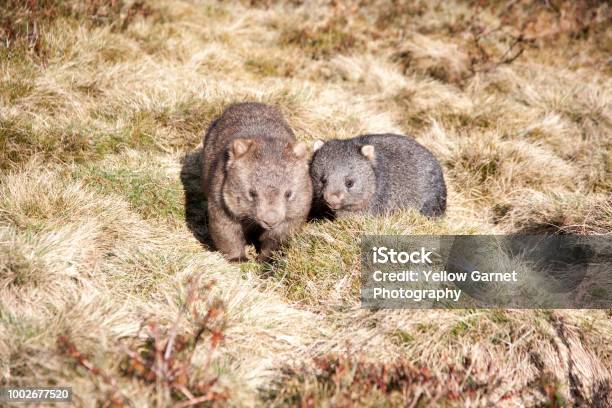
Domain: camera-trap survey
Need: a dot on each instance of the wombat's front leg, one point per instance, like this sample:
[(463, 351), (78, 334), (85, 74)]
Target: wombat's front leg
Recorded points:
[(271, 240), (227, 235)]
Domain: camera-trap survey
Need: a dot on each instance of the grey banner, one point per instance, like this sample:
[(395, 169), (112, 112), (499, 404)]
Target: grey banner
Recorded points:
[(493, 271)]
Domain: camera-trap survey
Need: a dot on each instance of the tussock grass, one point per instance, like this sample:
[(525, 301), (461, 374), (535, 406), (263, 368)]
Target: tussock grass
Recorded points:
[(100, 102)]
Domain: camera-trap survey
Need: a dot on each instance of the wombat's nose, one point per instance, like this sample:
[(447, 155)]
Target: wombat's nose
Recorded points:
[(334, 199), (270, 219)]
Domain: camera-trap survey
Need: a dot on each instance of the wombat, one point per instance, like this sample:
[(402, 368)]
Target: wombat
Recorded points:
[(376, 174), (255, 178)]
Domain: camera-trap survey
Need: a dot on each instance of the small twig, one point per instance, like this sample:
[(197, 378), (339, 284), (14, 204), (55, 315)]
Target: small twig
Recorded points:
[(173, 332), (185, 391), (69, 349), (208, 397)]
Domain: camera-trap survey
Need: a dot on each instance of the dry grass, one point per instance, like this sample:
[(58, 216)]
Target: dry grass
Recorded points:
[(99, 103)]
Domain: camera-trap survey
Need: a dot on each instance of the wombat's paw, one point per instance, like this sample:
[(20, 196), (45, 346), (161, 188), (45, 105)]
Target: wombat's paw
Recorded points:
[(238, 258), (263, 257)]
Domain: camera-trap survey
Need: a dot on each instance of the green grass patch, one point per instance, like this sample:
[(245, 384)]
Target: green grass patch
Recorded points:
[(459, 329), (262, 66), (189, 119), (76, 141), (19, 141), (403, 337), (149, 191), (14, 88), (140, 132)]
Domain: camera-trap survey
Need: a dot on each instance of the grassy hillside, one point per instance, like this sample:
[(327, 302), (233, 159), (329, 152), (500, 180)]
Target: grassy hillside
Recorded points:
[(103, 283)]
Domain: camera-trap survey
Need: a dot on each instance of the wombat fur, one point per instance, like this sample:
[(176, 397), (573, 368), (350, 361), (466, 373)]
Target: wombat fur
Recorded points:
[(376, 174), (255, 178)]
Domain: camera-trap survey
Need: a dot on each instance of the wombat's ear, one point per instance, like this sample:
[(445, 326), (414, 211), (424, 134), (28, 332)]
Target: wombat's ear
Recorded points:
[(299, 150), (239, 148), (368, 152), (317, 145)]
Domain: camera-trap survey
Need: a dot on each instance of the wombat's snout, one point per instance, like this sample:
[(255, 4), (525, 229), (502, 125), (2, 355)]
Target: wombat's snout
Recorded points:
[(334, 200), (270, 219)]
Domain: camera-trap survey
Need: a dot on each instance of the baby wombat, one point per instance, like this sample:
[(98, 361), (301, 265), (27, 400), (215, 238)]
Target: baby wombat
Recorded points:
[(377, 174), (255, 177)]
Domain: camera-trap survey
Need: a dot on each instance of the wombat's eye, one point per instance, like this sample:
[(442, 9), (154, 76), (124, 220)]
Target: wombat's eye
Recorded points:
[(349, 183), (288, 194), (323, 179), (252, 194)]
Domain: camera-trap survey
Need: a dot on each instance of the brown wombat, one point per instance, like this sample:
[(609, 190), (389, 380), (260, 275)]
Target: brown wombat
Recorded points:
[(255, 178)]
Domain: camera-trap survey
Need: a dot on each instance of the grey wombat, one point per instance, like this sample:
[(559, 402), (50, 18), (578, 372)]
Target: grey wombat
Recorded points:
[(255, 178), (377, 174)]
